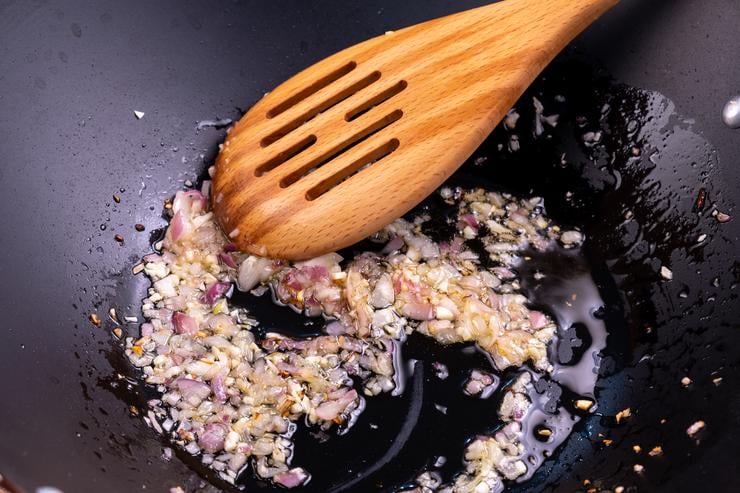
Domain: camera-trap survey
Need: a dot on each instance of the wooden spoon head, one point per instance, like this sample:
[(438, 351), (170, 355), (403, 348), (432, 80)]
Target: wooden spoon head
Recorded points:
[(353, 142)]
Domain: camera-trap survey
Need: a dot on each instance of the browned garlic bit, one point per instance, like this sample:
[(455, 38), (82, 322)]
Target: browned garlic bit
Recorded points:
[(623, 415), (231, 399), (656, 451), (584, 404)]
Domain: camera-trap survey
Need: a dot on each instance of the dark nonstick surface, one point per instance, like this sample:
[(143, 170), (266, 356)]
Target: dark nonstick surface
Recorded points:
[(73, 72)]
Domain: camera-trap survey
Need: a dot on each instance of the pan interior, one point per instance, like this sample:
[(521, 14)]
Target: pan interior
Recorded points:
[(618, 165)]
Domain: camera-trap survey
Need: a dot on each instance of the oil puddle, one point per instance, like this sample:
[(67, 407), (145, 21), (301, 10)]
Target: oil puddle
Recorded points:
[(561, 283)]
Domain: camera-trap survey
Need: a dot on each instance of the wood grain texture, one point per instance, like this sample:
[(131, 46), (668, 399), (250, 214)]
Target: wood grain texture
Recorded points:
[(417, 102)]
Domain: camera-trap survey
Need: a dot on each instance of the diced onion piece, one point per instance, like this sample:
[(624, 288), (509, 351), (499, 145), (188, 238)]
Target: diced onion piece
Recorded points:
[(217, 290), (418, 311), (330, 410), (329, 261), (213, 438), (383, 295), (227, 259), (192, 389), (292, 478), (179, 227), (184, 324), (253, 271), (335, 328), (190, 202), (538, 319)]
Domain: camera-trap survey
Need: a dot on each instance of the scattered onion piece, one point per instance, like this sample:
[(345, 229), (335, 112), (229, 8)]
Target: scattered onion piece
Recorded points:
[(217, 290), (184, 324), (218, 387), (292, 478), (193, 388), (470, 220), (335, 328), (179, 227), (418, 311), (227, 259), (212, 439)]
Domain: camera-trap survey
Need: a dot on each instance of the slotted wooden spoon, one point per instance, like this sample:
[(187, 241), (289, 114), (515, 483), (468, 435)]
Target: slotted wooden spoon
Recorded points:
[(353, 142)]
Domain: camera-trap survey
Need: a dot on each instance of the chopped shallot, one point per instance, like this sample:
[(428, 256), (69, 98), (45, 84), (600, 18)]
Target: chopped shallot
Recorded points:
[(292, 478), (234, 398), (213, 437), (217, 290), (184, 324)]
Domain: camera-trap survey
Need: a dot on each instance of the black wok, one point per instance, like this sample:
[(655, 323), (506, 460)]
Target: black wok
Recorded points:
[(71, 75)]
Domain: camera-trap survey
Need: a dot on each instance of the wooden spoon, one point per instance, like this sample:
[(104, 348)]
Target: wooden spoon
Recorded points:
[(358, 139)]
